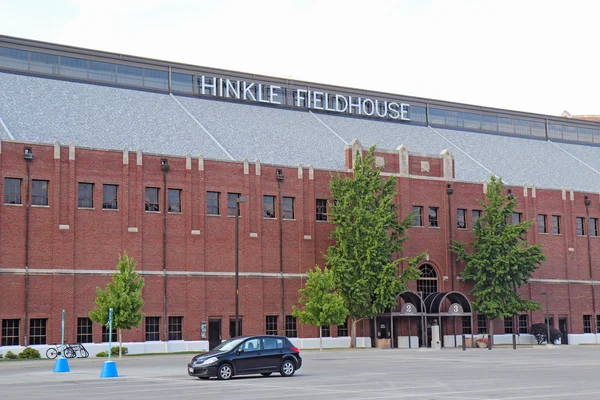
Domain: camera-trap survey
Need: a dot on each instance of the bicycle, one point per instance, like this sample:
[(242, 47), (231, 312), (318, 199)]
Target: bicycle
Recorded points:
[(58, 350), (79, 348)]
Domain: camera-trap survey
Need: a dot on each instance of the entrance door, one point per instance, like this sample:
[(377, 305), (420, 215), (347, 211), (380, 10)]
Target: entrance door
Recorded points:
[(214, 333), (563, 328)]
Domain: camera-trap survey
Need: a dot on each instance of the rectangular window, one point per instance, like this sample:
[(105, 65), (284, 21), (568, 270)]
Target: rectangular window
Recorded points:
[(105, 334), (321, 210), (326, 330), (74, 67), (109, 197), (175, 328), (556, 224), (593, 227), (85, 195), (461, 218), (212, 203), (232, 333), (152, 202), (475, 215), (84, 330), (597, 325), (174, 199), (587, 324), (39, 193), (549, 321), (287, 207), (37, 331), (269, 206), (466, 325), (433, 217), (516, 218), (481, 324), (102, 71), (580, 226), (271, 325), (508, 324), (12, 191), (542, 228), (342, 330), (10, 332), (417, 216), (152, 329), (232, 206), (523, 323), (291, 329)]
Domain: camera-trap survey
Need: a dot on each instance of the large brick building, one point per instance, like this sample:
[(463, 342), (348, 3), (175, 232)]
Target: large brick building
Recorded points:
[(103, 153)]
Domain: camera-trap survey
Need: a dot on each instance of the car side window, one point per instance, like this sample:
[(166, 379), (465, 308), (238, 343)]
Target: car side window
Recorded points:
[(270, 343), (251, 345)]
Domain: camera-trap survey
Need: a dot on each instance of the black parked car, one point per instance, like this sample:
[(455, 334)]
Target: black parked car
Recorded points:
[(247, 355)]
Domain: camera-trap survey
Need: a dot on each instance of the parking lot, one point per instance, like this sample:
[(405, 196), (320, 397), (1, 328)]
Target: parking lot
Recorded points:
[(562, 372)]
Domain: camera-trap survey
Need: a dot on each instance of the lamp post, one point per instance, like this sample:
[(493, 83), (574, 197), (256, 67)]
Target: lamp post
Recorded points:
[(587, 203), (237, 262), (547, 318)]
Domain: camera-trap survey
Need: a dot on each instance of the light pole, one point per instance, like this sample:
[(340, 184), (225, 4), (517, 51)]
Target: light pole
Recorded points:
[(587, 203), (237, 262), (547, 318)]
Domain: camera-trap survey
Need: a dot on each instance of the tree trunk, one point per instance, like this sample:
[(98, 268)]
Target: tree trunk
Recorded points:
[(491, 335), (120, 342), (353, 333), (320, 338)]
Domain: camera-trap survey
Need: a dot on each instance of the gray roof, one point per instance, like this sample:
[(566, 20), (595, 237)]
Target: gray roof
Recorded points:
[(44, 110)]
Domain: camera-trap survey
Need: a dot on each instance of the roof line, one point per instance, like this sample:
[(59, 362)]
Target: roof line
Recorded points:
[(578, 159), (6, 129), (328, 128), (464, 152), (201, 126)]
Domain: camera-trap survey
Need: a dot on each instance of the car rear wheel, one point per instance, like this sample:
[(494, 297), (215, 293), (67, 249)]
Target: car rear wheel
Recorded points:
[(225, 372), (287, 368), (266, 373)]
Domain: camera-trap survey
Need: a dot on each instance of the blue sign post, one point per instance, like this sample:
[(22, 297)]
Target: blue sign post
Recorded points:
[(62, 364), (109, 369)]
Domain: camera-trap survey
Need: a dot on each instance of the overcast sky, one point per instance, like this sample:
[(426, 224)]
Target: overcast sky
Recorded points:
[(536, 56)]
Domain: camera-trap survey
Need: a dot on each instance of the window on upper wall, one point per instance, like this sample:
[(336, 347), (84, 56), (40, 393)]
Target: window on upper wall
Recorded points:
[(105, 334), (175, 328), (174, 200), (475, 215), (37, 331), (587, 324), (152, 329), (271, 325), (84, 330), (291, 328), (39, 193), (152, 203), (232, 204), (12, 191), (593, 228), (269, 206), (326, 330), (212, 203), (523, 323), (556, 224), (427, 282), (508, 324), (481, 324), (466, 325), (542, 227), (85, 195), (580, 226), (287, 207), (109, 197), (433, 217), (10, 332), (417, 216), (321, 210), (461, 218), (516, 218)]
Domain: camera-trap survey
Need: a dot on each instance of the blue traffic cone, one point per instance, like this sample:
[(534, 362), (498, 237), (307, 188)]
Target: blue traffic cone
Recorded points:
[(61, 365), (109, 370)]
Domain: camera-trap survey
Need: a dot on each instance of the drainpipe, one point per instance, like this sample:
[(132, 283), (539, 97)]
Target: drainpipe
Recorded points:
[(164, 166), (450, 191), (28, 156), (280, 178), (587, 203)]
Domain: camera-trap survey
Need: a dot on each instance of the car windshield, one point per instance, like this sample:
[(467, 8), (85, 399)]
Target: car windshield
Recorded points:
[(229, 345)]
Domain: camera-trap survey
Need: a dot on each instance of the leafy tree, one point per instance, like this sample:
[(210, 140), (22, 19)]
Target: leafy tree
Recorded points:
[(368, 239), (124, 296), (540, 331), (322, 304), (501, 261)]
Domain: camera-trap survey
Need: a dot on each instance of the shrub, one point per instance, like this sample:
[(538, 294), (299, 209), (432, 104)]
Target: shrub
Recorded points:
[(101, 354), (29, 353), (540, 331), (10, 355), (1, 356), (114, 351)]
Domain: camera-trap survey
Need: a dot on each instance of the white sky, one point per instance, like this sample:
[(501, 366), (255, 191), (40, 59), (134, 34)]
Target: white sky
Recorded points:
[(536, 56)]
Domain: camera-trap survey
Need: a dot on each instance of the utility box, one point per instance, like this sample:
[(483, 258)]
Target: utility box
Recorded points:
[(435, 337)]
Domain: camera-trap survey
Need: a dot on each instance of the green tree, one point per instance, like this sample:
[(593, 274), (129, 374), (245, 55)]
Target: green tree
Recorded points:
[(124, 296), (500, 261), (322, 304), (368, 241)]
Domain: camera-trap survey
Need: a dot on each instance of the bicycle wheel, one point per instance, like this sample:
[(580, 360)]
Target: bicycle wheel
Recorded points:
[(83, 353), (70, 353), (51, 353)]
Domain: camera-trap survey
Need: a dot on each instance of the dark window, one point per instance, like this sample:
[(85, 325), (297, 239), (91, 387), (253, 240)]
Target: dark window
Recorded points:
[(10, 332), (13, 58), (39, 193), (102, 71), (269, 206), (12, 191), (232, 328), (542, 228), (152, 203), (433, 217), (326, 331), (251, 345), (174, 199), (291, 329), (417, 216), (84, 330), (152, 329), (593, 228), (481, 324), (109, 197), (461, 218), (597, 325), (232, 204), (556, 224), (580, 226), (105, 334), (587, 324), (427, 282), (272, 343), (175, 328), (85, 195), (549, 321), (508, 324), (321, 210), (475, 215), (75, 67), (466, 325), (37, 331), (271, 325), (516, 218), (156, 79), (130, 75), (287, 207), (523, 323), (182, 82), (343, 329), (212, 203)]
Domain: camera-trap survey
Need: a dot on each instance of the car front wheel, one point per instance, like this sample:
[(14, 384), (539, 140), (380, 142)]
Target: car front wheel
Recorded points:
[(225, 372), (287, 368)]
